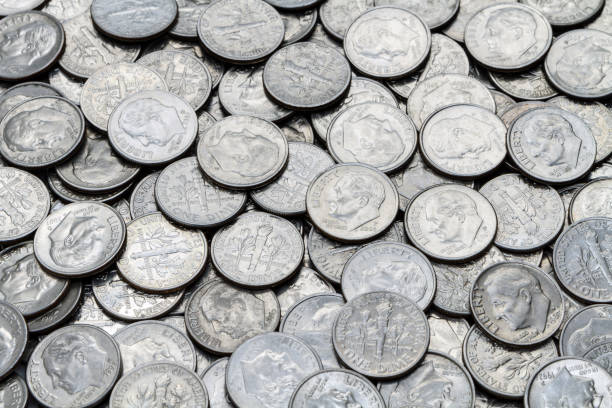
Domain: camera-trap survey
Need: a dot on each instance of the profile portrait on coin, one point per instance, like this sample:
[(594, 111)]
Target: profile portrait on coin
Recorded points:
[(425, 387), (245, 153), (599, 202), (7, 345), (453, 217), (517, 299), (453, 93), (465, 137), (43, 128), (511, 32), (24, 281), (568, 391), (385, 38), (151, 122), (585, 65), (551, 138), (74, 362), (24, 45), (402, 277), (96, 161), (77, 241)]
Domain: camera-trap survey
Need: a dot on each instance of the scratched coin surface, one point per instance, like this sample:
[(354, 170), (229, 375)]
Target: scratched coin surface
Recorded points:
[(564, 13), (589, 327), (14, 335), (592, 200), (298, 129)]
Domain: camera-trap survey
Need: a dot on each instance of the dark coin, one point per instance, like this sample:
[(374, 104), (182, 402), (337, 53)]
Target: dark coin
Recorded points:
[(14, 392), (293, 4), (22, 92), (67, 194), (564, 13), (298, 25), (14, 336), (142, 199), (531, 85), (60, 313), (70, 87), (592, 200), (585, 329)]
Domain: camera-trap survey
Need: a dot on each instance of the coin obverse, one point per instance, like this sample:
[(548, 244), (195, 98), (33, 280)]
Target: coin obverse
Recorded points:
[(60, 313), (214, 380), (531, 85), (601, 355), (592, 200), (467, 9), (14, 392), (588, 327), (22, 92), (14, 334), (564, 13)]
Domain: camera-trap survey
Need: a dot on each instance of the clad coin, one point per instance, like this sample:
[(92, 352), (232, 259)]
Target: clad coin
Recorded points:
[(564, 13), (592, 200), (22, 92), (60, 313), (585, 329), (14, 336)]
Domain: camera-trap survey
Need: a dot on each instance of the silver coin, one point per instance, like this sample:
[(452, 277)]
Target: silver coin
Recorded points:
[(241, 31), (13, 338), (531, 85), (298, 25), (14, 392), (89, 312), (30, 43), (381, 335), (142, 199), (585, 329), (241, 92), (66, 9), (9, 7), (551, 145), (123, 208), (602, 355), (446, 334), (26, 145), (603, 22), (338, 15), (298, 129), (186, 75), (387, 42), (151, 341), (577, 63), (75, 366), (321, 36), (438, 379), (258, 250), (214, 380), (564, 13), (243, 152), (467, 9), (189, 12), (435, 13), (69, 87), (136, 20), (79, 239), (24, 203), (580, 259), (443, 90), (122, 301), (517, 304), (67, 194), (306, 76), (393, 267), (502, 102), (109, 86), (214, 107), (210, 274), (484, 400), (306, 282), (509, 115), (265, 370), (592, 200), (220, 317), (293, 4), (331, 387), (160, 384), (569, 381), (508, 37), (604, 170), (60, 313), (22, 92), (501, 370), (161, 257)]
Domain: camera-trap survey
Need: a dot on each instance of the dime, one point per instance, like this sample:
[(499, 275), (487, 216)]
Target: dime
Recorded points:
[(298, 25), (259, 250), (214, 108), (293, 4), (387, 42), (399, 330), (123, 208), (577, 63), (220, 317), (169, 384), (58, 132), (60, 313), (24, 203), (210, 274), (509, 115), (529, 215), (136, 20), (70, 195), (22, 92), (321, 37), (241, 31), (592, 200), (186, 76), (585, 329), (298, 129), (243, 152), (604, 170), (214, 380), (151, 341), (31, 42), (89, 312), (393, 267), (551, 145), (161, 257), (66, 9), (306, 76), (486, 401), (564, 13), (14, 392), (265, 370), (142, 200), (467, 9), (446, 334), (501, 370), (111, 85), (189, 12), (529, 85), (338, 15), (603, 22), (508, 37), (15, 6), (443, 90), (306, 282), (516, 303), (69, 87), (602, 355), (14, 336), (502, 102), (435, 13), (74, 367), (581, 259)]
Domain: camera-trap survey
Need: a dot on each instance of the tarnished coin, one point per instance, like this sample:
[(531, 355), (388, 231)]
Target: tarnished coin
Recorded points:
[(22, 92), (529, 215), (142, 199), (551, 145), (74, 367), (60, 313), (306, 282), (220, 317), (96, 168), (160, 256), (24, 203), (185, 74), (69, 87), (293, 4), (298, 25), (306, 76), (14, 392), (241, 31), (298, 129), (569, 381), (395, 335), (435, 13), (602, 355), (577, 63), (446, 334), (329, 387), (151, 341), (243, 152), (564, 13), (70, 195), (531, 85), (79, 239), (258, 250), (66, 9), (30, 43), (109, 86), (393, 267), (189, 12), (338, 15), (516, 303), (438, 379), (41, 132), (122, 301), (214, 380), (467, 9), (585, 329), (502, 370), (594, 199), (13, 338), (581, 259), (508, 37), (443, 90), (135, 20), (152, 127), (265, 370), (160, 384), (387, 42)]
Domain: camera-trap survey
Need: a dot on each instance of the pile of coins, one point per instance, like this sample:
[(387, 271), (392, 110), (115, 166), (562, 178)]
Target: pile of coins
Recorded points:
[(305, 203)]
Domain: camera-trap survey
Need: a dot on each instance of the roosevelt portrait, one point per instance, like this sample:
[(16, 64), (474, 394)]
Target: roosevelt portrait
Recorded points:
[(452, 216), (96, 161), (22, 46), (567, 391), (42, 128), (77, 241), (150, 122), (142, 351), (334, 398), (24, 282), (425, 387), (510, 33), (385, 38), (551, 139), (585, 65), (599, 202), (355, 200), (405, 278), (7, 346)]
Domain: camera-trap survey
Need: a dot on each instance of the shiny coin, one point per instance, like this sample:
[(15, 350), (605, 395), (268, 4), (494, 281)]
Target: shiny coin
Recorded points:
[(435, 13), (69, 87), (14, 392), (603, 21), (71, 195), (298, 129), (60, 313), (66, 9), (189, 11), (293, 4), (22, 92), (298, 25), (564, 13), (214, 380), (502, 101), (306, 282), (142, 199), (446, 57), (467, 9), (79, 239), (15, 6), (509, 115), (602, 355), (338, 15), (446, 334), (14, 336), (531, 85), (592, 200), (89, 312), (585, 329)]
